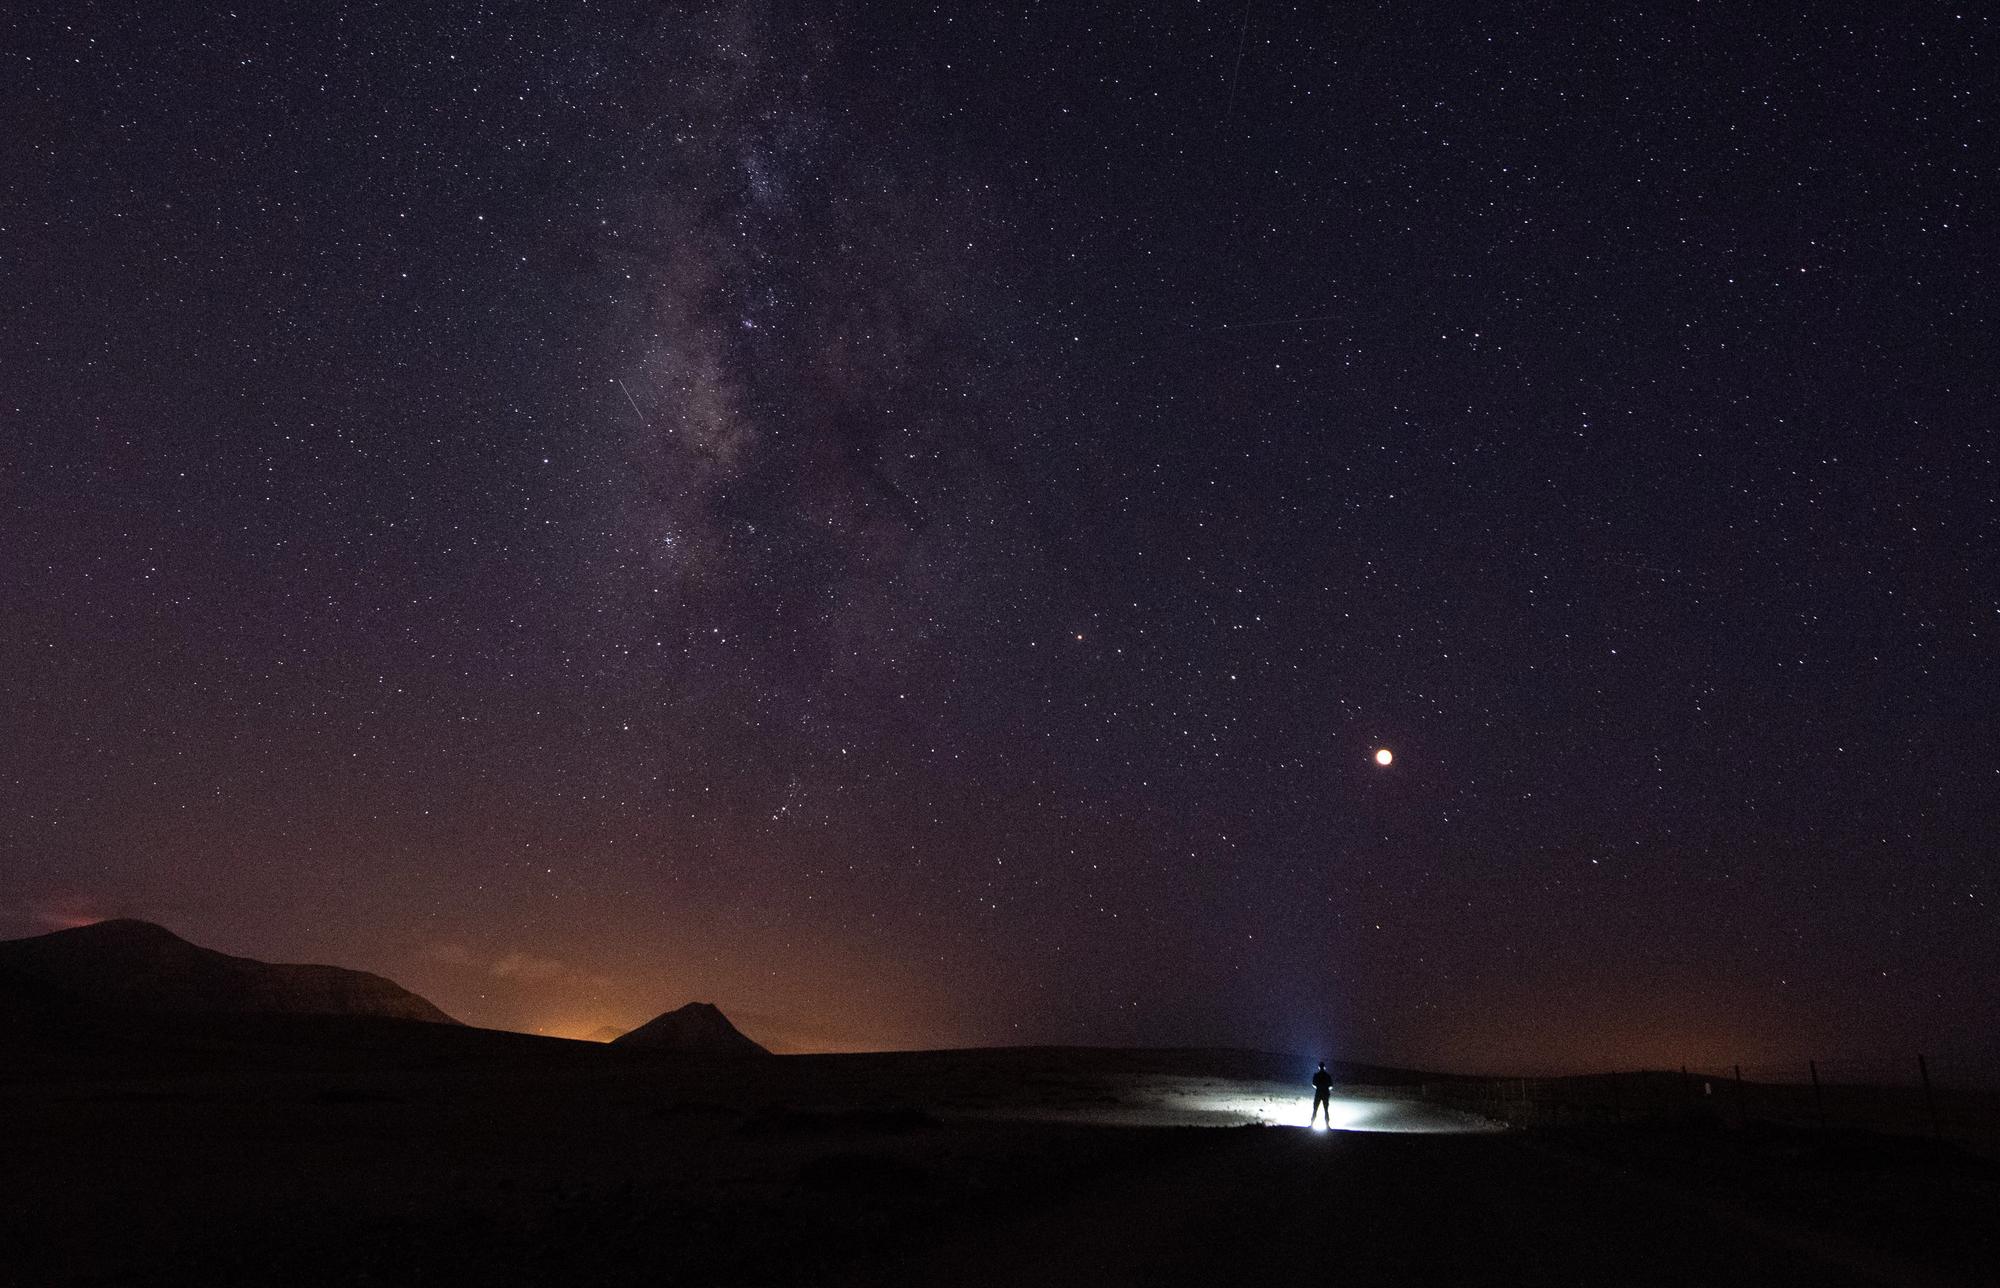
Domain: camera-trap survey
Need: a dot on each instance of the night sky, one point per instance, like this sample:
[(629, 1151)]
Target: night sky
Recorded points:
[(912, 524)]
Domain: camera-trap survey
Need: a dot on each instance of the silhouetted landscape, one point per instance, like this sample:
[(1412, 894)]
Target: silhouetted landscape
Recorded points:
[(299, 1125), (698, 1026), (135, 968)]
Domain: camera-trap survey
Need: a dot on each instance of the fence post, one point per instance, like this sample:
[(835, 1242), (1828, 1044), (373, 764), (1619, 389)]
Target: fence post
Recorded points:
[(1819, 1104), (1930, 1101)]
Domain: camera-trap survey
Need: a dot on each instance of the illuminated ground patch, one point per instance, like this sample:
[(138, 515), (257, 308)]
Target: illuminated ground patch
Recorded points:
[(1170, 1101)]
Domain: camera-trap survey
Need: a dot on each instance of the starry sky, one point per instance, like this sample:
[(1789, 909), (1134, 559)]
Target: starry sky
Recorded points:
[(911, 523)]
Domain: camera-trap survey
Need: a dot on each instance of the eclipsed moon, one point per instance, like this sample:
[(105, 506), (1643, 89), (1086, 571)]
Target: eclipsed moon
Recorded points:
[(1384, 756)]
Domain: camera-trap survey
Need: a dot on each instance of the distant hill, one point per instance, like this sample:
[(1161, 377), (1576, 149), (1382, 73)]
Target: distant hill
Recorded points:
[(138, 968), (696, 1027), (608, 1033)]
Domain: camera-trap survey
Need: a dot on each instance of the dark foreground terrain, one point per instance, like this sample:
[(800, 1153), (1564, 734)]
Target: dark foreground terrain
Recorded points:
[(356, 1155)]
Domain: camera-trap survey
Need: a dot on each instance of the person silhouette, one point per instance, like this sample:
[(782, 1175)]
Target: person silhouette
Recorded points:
[(1322, 1096)]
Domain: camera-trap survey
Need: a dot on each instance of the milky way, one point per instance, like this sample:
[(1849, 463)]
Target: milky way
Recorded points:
[(824, 453)]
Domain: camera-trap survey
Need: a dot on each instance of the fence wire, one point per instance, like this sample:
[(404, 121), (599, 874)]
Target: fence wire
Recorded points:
[(1913, 1097)]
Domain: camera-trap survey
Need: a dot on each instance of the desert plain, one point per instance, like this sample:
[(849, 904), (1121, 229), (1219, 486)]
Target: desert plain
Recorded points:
[(345, 1150)]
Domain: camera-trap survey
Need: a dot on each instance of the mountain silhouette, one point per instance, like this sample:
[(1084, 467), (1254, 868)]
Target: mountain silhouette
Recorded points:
[(136, 967), (696, 1027)]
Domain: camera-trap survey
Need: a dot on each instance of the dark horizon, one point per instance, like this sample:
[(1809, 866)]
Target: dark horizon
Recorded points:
[(1959, 1072), (914, 526)]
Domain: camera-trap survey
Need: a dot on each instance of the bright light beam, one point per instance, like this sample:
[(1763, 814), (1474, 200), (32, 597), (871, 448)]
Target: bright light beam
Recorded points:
[(1279, 1105)]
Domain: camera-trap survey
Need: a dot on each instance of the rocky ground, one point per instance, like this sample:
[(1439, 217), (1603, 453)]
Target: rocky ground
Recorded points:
[(523, 1167)]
